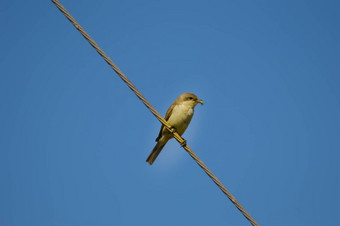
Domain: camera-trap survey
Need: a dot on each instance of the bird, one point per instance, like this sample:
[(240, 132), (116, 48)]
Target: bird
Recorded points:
[(178, 116)]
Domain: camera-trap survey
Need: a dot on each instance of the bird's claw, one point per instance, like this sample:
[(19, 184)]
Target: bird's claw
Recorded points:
[(172, 130), (184, 143)]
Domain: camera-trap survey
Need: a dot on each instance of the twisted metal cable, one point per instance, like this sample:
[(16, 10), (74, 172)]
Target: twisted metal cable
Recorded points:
[(155, 112)]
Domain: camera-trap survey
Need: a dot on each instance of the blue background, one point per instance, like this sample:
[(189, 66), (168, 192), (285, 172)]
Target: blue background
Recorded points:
[(74, 138)]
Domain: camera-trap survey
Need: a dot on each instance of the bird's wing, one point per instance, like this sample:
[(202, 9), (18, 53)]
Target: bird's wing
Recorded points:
[(167, 116)]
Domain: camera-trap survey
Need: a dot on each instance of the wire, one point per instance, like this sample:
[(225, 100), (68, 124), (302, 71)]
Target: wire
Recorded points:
[(154, 112)]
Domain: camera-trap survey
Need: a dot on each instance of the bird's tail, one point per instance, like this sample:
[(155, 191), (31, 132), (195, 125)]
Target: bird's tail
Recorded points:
[(155, 152)]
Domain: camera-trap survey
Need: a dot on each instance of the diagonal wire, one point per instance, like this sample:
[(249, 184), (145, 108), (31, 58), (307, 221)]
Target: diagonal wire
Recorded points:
[(155, 112)]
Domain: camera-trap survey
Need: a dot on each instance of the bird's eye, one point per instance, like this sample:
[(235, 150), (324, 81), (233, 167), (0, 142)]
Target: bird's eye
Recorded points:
[(190, 98)]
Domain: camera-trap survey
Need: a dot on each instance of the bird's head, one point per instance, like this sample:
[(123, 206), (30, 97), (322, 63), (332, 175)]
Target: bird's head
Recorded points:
[(189, 99)]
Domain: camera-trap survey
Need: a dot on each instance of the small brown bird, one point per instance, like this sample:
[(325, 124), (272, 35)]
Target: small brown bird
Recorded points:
[(178, 116)]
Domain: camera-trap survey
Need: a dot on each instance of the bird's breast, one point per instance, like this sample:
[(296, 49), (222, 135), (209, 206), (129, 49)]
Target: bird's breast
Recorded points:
[(180, 117)]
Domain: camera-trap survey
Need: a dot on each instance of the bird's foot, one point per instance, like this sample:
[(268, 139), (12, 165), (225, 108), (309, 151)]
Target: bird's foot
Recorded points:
[(172, 130), (184, 143)]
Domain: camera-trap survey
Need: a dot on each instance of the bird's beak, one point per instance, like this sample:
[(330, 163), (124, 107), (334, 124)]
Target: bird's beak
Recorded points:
[(200, 101)]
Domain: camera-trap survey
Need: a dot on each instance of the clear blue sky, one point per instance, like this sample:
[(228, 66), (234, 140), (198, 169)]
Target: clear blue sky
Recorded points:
[(74, 138)]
